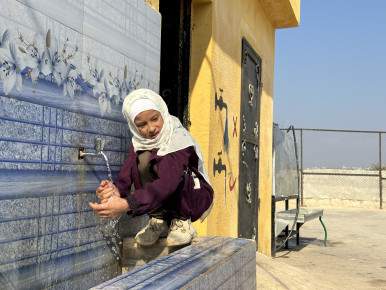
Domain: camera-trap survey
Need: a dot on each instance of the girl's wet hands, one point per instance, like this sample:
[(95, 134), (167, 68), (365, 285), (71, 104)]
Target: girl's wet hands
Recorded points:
[(106, 190), (112, 208)]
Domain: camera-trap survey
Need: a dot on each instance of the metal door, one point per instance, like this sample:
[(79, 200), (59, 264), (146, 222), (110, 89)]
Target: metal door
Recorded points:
[(249, 142)]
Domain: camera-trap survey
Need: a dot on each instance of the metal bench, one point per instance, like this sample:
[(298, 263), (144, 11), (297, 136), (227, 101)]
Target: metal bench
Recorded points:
[(286, 187), (284, 218)]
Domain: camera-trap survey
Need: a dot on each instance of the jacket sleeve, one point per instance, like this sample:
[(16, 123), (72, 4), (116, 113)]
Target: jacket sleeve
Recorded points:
[(124, 180), (151, 195)]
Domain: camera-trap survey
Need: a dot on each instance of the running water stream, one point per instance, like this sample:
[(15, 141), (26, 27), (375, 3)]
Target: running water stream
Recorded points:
[(109, 229)]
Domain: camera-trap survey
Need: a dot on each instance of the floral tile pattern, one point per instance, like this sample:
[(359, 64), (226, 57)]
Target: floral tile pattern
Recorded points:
[(52, 62), (65, 69)]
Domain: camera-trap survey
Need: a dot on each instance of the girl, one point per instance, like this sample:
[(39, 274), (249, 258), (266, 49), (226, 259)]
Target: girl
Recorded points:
[(165, 167)]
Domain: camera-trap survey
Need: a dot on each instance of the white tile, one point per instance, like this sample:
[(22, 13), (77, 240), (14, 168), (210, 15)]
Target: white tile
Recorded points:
[(106, 13), (21, 15), (70, 13), (99, 31)]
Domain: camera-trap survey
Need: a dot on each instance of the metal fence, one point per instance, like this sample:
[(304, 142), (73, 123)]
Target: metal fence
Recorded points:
[(341, 164)]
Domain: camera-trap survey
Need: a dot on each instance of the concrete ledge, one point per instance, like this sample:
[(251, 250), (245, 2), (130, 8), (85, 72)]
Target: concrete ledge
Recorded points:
[(283, 13), (208, 263), (135, 256)]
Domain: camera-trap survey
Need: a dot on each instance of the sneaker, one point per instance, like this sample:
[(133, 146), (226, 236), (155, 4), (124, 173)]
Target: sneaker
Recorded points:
[(180, 233), (150, 234)]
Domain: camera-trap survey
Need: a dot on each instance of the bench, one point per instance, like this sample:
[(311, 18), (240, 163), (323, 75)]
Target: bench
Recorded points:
[(286, 187), (208, 263), (284, 218)]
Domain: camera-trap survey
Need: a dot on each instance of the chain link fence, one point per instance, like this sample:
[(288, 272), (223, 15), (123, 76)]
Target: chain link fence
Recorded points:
[(341, 167)]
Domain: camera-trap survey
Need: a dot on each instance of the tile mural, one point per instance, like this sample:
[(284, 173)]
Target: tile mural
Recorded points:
[(48, 62), (65, 69)]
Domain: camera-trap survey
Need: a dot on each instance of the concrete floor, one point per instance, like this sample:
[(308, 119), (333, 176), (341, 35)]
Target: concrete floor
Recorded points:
[(354, 258)]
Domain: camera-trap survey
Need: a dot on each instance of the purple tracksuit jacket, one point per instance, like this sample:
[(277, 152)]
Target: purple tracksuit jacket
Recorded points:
[(174, 189)]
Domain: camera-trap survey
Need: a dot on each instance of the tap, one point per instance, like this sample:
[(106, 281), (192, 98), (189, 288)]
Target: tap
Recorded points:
[(99, 145)]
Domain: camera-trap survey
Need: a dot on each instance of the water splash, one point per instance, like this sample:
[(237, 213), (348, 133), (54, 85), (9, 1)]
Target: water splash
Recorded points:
[(109, 229)]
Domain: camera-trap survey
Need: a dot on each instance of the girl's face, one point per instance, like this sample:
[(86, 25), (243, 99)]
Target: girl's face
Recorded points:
[(149, 123)]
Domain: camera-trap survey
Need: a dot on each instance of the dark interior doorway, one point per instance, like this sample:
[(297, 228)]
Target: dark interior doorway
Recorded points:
[(175, 56)]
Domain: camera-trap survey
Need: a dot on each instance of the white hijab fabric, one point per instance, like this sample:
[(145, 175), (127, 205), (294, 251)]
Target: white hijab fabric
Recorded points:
[(141, 105), (173, 136)]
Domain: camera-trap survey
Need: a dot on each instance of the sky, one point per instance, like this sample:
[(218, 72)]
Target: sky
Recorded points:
[(330, 72)]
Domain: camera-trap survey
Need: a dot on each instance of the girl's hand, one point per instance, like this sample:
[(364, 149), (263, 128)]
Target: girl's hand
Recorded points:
[(106, 190), (112, 208)]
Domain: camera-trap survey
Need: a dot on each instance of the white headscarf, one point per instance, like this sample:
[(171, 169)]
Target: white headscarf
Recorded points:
[(173, 136), (140, 106)]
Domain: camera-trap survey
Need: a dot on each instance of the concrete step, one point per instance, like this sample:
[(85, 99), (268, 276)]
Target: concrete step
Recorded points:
[(134, 255), (208, 263)]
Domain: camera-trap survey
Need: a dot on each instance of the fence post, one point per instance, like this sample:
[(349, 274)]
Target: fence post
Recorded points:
[(380, 172), (301, 167)]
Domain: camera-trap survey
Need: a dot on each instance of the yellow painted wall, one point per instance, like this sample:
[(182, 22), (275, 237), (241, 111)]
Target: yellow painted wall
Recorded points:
[(218, 27), (153, 4)]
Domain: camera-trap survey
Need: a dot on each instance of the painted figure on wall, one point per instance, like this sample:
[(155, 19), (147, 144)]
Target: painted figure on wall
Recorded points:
[(219, 102)]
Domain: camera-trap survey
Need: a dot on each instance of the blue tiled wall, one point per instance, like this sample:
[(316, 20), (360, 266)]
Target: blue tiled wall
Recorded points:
[(49, 236), (47, 228)]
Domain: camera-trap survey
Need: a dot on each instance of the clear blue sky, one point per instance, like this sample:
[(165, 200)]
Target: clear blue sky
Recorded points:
[(330, 72)]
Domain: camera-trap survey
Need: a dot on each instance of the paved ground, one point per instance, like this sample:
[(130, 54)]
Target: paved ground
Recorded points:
[(354, 258)]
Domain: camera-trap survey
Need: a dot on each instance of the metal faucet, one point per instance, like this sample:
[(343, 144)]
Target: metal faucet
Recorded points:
[(99, 144)]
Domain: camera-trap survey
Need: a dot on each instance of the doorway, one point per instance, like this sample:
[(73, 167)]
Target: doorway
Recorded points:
[(175, 57), (249, 152)]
